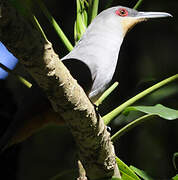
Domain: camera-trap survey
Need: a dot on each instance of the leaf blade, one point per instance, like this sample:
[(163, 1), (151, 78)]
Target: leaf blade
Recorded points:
[(175, 155), (141, 173), (159, 110), (175, 177), (127, 173), (114, 113)]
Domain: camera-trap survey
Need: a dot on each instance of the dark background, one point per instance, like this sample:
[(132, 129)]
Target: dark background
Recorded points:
[(148, 55)]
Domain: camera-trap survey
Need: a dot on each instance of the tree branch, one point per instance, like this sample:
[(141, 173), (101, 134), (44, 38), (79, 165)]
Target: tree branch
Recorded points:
[(66, 96)]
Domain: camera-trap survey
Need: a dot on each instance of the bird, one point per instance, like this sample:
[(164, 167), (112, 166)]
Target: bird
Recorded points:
[(92, 62)]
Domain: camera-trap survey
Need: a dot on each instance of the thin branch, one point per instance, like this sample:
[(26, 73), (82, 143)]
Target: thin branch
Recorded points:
[(20, 78)]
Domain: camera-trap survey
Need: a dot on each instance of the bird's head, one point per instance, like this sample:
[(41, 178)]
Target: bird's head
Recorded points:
[(125, 18)]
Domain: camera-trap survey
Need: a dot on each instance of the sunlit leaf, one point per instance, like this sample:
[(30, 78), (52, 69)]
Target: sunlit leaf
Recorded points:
[(55, 25), (160, 110), (81, 20), (114, 113), (141, 173), (84, 12), (175, 155), (92, 10), (175, 177), (127, 173)]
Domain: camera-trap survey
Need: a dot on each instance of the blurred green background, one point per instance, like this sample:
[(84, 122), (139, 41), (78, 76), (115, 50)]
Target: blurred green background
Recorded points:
[(149, 54)]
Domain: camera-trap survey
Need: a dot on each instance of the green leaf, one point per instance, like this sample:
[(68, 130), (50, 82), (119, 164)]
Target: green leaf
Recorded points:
[(157, 110), (55, 25), (92, 10), (81, 20), (160, 110), (175, 155), (141, 173), (127, 173), (175, 177), (137, 4), (84, 4), (114, 113)]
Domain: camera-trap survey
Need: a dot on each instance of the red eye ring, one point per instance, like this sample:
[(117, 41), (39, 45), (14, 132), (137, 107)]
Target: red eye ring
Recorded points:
[(122, 12)]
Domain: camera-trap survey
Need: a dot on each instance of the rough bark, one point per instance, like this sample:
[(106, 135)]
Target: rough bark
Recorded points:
[(66, 96)]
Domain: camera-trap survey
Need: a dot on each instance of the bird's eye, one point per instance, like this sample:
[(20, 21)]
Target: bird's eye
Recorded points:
[(122, 12)]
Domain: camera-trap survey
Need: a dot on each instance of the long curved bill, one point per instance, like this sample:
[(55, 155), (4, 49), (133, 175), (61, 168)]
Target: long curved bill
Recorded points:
[(129, 22), (147, 15)]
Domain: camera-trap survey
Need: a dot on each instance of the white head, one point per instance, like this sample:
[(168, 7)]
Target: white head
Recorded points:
[(125, 18)]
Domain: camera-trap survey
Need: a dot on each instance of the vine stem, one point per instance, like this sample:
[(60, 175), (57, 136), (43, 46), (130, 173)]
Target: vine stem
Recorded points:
[(55, 25), (106, 93), (131, 125), (137, 4), (20, 78)]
